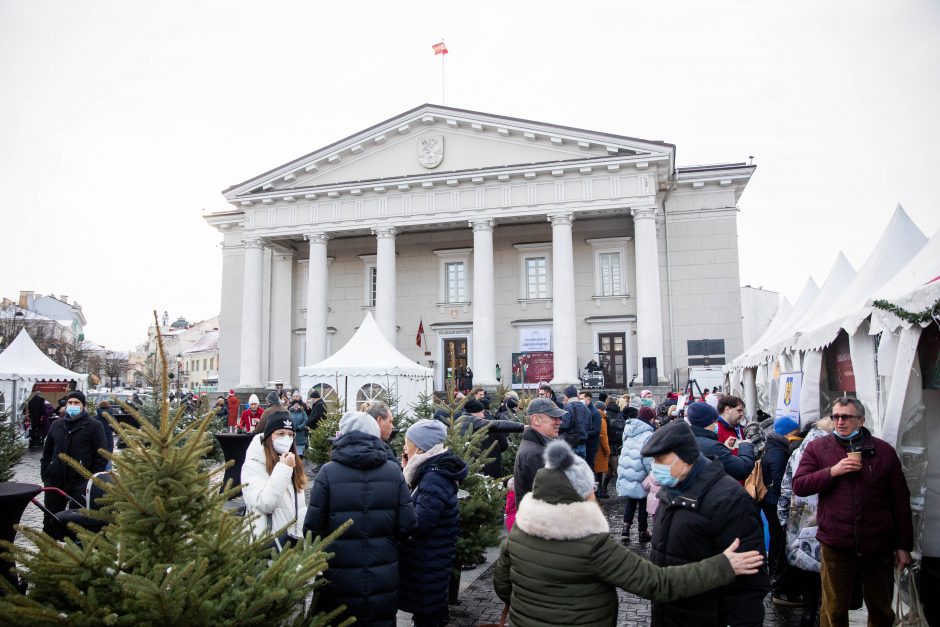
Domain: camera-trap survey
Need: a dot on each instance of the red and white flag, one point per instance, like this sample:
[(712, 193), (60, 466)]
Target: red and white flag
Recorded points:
[(420, 332), (439, 48)]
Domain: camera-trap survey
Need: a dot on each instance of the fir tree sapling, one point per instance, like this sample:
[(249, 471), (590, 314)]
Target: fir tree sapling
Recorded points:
[(12, 447), (171, 553)]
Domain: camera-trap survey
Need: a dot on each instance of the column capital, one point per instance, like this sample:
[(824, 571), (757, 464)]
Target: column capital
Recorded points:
[(383, 232), (483, 224), (317, 237), (643, 213), (561, 219), (253, 242)]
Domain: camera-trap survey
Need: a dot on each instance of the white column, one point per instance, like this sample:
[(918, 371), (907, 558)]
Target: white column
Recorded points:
[(649, 310), (281, 308), (484, 305), (385, 281), (317, 296), (250, 370), (564, 335)]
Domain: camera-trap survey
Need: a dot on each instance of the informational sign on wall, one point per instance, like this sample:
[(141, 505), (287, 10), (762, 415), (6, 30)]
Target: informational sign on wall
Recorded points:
[(530, 369), (535, 339), (788, 396)]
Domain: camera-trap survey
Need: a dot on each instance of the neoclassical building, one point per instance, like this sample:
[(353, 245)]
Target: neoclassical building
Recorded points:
[(500, 235)]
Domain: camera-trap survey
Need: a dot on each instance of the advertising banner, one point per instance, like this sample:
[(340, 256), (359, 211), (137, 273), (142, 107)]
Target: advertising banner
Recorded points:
[(531, 368), (535, 339), (788, 396)]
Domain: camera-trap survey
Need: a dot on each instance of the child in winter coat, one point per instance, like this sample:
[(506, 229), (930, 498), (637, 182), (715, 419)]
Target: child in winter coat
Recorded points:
[(250, 417), (433, 473), (510, 504), (632, 470)]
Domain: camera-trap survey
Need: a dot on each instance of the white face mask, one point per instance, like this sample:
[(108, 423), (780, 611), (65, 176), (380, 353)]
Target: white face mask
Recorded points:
[(282, 444)]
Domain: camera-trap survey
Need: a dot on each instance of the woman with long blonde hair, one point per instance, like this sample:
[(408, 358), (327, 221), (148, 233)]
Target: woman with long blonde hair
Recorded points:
[(274, 479)]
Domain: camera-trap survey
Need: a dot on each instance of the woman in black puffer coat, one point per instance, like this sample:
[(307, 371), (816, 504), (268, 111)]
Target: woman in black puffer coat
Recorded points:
[(433, 472), (361, 484)]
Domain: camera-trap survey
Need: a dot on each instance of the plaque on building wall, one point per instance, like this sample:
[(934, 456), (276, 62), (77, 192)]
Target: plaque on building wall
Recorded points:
[(431, 150), (535, 339)]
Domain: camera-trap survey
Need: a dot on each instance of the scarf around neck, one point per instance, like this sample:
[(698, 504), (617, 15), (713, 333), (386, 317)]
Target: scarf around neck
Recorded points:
[(415, 463)]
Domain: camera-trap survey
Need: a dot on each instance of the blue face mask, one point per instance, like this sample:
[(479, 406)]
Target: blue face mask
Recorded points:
[(73, 410), (845, 437), (662, 473)]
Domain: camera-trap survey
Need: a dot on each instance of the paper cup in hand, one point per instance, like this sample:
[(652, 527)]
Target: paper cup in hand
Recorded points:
[(856, 455)]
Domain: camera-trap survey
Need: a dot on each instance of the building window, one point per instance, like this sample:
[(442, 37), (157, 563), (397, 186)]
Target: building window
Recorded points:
[(369, 280), (535, 277), (611, 275), (610, 260), (455, 282)]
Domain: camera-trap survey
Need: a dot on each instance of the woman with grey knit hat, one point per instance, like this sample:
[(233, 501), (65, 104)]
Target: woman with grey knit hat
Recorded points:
[(433, 473), (559, 565)]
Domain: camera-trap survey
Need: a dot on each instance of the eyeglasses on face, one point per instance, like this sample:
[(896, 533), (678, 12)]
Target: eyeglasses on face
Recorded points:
[(843, 417)]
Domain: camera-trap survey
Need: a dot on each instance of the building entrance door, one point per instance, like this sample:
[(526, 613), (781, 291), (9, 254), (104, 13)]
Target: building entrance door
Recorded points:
[(455, 360), (613, 358)]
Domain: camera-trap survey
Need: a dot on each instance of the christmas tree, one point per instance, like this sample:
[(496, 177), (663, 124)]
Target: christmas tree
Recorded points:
[(171, 553), (11, 446), (481, 507)]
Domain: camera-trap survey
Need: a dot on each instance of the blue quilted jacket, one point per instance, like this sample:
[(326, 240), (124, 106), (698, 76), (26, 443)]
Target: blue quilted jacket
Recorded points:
[(633, 467)]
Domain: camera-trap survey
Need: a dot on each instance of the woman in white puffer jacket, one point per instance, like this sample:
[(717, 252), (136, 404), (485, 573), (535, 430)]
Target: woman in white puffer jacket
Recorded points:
[(274, 479)]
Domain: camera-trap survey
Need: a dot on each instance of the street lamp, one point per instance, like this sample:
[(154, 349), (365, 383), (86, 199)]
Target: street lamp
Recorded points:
[(179, 376)]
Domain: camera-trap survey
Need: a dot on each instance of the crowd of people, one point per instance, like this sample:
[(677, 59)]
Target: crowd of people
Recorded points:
[(702, 486)]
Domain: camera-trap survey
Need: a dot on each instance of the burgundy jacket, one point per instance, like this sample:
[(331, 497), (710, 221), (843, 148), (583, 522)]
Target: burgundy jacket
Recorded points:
[(868, 510)]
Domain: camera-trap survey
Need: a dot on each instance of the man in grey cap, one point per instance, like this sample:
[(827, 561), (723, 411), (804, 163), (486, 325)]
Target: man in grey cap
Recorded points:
[(544, 421), (701, 511)]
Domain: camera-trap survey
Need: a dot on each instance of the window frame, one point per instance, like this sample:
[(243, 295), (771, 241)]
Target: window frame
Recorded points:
[(534, 251), (369, 280), (605, 246), (453, 255)]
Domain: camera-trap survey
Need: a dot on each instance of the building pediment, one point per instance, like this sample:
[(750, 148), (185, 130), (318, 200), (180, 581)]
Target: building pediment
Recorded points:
[(436, 141)]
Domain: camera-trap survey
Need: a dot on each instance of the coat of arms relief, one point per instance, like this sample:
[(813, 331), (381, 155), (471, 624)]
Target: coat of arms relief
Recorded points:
[(431, 150)]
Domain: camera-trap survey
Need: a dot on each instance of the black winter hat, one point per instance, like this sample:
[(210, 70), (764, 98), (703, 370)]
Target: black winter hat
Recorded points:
[(473, 406), (77, 394), (272, 398), (279, 419), (676, 437)]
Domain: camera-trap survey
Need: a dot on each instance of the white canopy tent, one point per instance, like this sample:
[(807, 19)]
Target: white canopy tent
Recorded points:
[(22, 364), (367, 367)]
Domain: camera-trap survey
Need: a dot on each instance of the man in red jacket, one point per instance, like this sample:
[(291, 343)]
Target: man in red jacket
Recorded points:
[(864, 523)]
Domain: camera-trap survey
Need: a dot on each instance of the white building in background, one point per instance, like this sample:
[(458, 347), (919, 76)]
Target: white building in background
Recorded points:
[(201, 362), (758, 308), (498, 234)]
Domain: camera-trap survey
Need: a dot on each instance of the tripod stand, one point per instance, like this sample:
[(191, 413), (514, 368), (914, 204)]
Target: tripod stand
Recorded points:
[(688, 390)]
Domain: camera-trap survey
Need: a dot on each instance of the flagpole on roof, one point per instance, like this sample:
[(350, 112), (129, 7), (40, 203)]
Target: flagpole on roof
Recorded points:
[(442, 73)]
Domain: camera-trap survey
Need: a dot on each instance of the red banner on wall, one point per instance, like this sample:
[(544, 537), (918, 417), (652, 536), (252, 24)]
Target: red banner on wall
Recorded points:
[(530, 369)]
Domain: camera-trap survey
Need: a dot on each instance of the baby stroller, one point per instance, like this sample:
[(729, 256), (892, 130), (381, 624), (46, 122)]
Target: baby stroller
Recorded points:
[(60, 530)]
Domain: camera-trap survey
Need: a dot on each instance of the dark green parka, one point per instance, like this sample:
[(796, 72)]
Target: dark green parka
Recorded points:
[(559, 566)]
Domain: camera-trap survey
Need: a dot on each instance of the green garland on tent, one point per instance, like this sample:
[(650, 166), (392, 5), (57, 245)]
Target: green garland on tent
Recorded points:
[(918, 318)]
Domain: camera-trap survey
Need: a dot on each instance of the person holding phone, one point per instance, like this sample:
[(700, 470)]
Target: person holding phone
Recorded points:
[(274, 479)]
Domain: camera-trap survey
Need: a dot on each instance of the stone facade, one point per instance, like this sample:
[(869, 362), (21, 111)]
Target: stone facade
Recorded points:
[(587, 240)]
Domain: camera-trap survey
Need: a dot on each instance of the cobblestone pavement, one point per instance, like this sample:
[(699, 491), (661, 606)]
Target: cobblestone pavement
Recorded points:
[(478, 603)]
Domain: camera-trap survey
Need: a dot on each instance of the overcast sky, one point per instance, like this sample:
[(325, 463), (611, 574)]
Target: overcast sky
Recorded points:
[(121, 121)]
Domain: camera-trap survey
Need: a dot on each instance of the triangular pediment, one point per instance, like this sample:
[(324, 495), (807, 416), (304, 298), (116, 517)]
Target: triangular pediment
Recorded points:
[(433, 139)]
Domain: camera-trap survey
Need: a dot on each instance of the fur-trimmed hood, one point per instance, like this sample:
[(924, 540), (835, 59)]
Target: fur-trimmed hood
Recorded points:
[(562, 521)]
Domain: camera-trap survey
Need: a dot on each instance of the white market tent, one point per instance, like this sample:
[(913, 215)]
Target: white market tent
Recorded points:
[(366, 367), (22, 364)]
